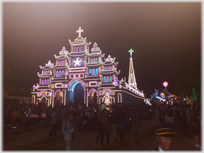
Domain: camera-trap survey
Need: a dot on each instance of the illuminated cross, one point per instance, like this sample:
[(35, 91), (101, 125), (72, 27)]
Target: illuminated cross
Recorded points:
[(79, 31), (131, 51)]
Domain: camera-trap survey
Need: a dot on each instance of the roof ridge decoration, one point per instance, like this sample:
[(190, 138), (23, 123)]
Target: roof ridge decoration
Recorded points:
[(109, 59), (49, 64), (95, 47), (63, 51)]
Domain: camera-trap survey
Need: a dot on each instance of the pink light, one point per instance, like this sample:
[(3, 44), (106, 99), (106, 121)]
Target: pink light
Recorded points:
[(165, 84)]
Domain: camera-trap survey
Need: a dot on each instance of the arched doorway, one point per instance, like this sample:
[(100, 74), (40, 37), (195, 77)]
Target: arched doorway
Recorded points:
[(76, 93), (58, 98), (93, 96), (43, 102)]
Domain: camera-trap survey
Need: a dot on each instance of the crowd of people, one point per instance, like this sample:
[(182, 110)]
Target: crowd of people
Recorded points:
[(186, 117), (117, 119), (18, 116)]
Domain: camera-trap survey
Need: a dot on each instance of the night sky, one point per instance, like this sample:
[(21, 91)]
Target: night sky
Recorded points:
[(165, 37)]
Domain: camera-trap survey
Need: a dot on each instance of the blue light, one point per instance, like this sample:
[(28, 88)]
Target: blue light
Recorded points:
[(73, 86), (160, 98)]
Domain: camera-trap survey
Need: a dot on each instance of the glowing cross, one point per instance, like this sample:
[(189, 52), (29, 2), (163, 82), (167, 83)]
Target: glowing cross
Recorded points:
[(79, 31), (77, 62), (131, 51)]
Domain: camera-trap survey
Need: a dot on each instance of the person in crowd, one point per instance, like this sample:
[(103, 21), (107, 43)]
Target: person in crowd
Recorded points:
[(104, 127), (122, 123), (53, 128), (69, 130), (6, 116), (189, 120), (134, 116), (169, 115), (196, 119), (164, 133), (103, 106), (16, 119), (28, 119), (98, 130), (39, 109), (178, 118), (114, 123), (183, 120), (162, 113)]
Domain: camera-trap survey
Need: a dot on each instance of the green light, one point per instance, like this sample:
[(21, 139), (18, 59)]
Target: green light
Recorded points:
[(131, 51), (194, 95)]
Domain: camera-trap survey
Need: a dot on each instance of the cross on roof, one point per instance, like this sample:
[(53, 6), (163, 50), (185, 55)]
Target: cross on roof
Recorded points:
[(79, 31), (131, 51)]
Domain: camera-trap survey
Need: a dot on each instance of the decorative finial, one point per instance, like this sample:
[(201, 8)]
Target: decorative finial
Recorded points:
[(165, 84), (131, 51), (79, 31)]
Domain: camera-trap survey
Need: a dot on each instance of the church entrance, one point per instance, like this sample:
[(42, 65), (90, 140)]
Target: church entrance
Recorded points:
[(76, 93), (93, 97)]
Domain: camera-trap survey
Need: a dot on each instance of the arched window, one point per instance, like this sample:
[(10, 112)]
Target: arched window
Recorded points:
[(42, 82), (62, 73), (93, 72), (96, 71), (104, 79), (119, 98), (77, 50), (82, 48), (47, 81), (107, 79), (90, 71), (57, 74), (91, 60), (110, 78)]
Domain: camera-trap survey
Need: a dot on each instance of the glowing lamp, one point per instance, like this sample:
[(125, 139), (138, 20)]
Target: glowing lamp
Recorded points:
[(165, 84)]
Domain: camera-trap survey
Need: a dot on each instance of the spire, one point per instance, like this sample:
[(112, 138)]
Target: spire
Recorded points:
[(131, 77)]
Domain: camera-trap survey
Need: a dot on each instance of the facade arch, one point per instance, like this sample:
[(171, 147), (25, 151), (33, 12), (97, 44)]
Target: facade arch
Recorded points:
[(59, 91), (74, 81)]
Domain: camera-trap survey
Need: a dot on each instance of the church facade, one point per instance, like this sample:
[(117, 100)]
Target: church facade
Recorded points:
[(84, 75)]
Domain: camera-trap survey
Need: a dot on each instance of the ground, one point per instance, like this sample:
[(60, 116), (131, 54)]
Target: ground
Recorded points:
[(38, 140)]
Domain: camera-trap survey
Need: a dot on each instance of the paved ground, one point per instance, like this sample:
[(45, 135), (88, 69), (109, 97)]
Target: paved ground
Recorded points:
[(37, 140)]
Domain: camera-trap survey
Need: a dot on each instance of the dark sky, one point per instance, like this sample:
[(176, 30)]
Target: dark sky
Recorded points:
[(166, 37)]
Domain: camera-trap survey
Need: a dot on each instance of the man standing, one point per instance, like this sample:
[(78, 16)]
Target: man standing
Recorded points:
[(27, 118), (68, 128), (53, 128), (164, 133)]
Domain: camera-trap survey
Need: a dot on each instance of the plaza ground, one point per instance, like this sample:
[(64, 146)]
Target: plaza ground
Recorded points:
[(38, 140)]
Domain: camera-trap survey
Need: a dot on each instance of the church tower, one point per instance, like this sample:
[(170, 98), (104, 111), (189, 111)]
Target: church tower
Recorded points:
[(131, 78)]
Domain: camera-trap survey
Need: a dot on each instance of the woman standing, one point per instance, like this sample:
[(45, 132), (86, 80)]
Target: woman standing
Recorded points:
[(68, 128)]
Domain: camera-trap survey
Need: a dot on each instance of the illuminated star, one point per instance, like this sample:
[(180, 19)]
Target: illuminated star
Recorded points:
[(77, 62), (131, 51)]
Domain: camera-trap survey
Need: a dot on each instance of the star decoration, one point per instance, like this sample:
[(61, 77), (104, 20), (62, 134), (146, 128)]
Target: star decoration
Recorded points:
[(77, 62)]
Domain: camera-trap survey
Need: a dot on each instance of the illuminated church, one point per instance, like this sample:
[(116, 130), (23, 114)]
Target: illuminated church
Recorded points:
[(84, 75)]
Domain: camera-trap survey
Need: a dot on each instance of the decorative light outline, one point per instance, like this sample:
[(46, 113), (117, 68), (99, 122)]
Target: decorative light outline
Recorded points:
[(91, 91)]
